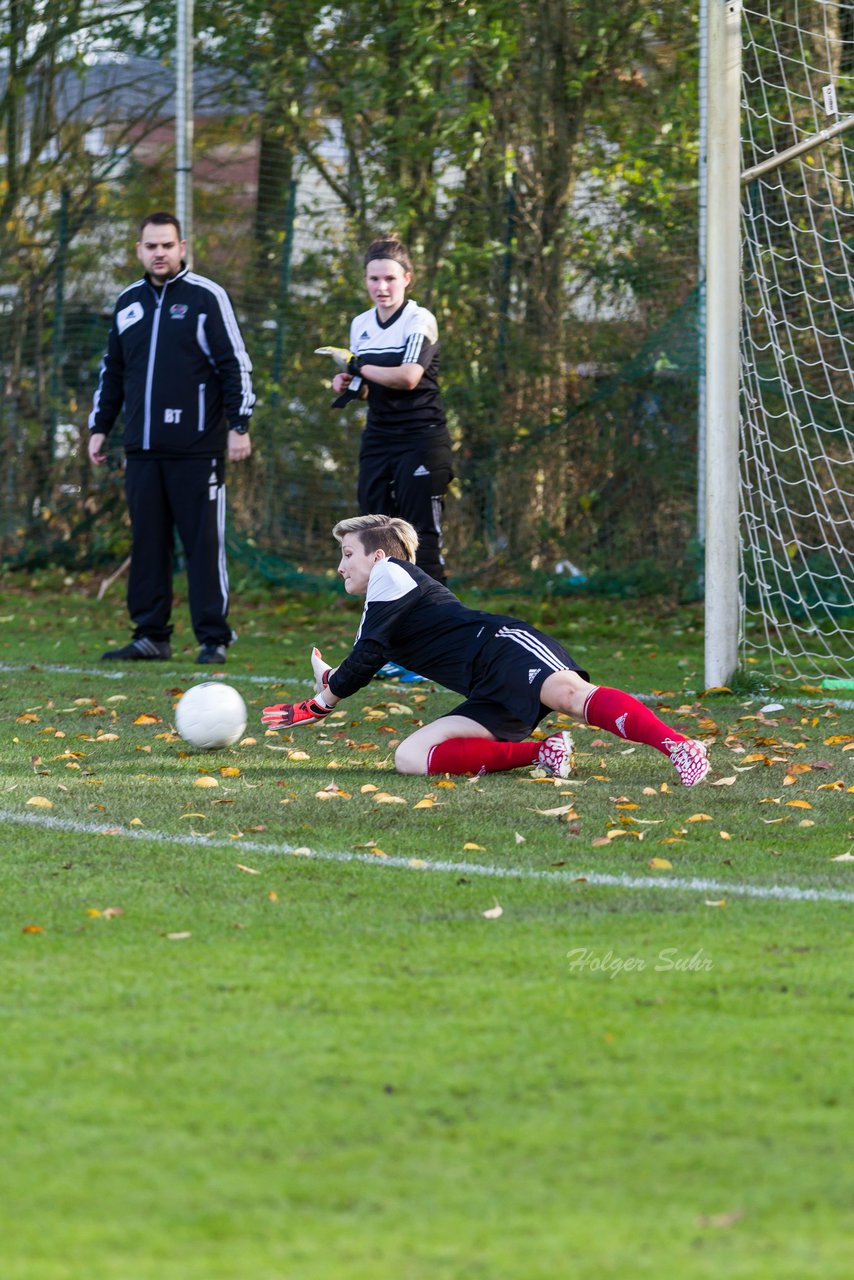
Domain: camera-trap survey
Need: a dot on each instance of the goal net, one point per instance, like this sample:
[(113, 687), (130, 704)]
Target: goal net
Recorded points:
[(797, 343)]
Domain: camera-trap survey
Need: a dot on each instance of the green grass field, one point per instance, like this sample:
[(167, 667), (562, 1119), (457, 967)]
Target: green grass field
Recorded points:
[(263, 1028)]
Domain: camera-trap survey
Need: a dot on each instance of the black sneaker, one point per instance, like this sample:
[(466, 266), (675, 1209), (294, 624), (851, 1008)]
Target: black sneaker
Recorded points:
[(142, 650), (212, 653)]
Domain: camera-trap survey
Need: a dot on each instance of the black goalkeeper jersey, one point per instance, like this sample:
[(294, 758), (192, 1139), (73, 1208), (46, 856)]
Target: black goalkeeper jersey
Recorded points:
[(411, 619)]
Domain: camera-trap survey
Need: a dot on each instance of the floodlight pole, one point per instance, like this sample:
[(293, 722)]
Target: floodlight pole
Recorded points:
[(184, 122), (723, 320)]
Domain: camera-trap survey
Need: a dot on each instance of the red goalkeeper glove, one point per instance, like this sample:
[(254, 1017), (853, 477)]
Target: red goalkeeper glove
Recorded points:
[(285, 715)]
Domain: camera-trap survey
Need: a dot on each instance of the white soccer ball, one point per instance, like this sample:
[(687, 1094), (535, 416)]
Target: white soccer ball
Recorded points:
[(211, 715)]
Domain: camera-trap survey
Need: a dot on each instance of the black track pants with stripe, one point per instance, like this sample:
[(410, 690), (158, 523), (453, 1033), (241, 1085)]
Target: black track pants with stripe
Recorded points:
[(187, 494), (411, 482)]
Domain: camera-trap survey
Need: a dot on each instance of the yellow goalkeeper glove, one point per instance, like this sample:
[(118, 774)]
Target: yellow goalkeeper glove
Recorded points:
[(345, 361)]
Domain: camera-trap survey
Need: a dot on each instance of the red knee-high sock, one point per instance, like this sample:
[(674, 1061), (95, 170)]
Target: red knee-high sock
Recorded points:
[(479, 755), (623, 715)]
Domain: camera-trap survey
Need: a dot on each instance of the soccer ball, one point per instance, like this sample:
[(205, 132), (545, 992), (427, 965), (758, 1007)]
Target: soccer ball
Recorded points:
[(211, 715)]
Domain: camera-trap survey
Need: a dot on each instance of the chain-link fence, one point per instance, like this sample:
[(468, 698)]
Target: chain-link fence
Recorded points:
[(551, 214)]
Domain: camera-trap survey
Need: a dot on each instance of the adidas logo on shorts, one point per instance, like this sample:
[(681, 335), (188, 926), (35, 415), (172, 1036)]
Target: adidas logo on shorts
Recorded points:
[(533, 672)]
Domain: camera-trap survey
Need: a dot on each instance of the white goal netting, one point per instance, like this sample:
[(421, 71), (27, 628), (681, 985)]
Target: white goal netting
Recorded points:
[(797, 394)]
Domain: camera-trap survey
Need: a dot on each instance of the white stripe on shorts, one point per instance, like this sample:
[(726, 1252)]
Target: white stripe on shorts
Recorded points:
[(533, 644)]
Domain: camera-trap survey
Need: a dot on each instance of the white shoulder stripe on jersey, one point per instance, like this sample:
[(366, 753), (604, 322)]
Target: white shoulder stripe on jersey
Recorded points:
[(388, 582), (413, 348)]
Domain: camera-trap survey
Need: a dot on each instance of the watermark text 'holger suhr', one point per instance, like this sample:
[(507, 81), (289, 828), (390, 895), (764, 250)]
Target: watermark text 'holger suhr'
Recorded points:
[(668, 960)]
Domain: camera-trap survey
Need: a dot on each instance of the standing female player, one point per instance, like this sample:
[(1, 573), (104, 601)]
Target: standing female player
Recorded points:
[(510, 674), (405, 456)]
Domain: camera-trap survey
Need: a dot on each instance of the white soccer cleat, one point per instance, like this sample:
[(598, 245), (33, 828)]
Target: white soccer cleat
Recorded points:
[(555, 755), (690, 760)]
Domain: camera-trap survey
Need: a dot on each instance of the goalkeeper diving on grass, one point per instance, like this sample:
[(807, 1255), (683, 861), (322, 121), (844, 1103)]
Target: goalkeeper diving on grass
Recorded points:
[(510, 674)]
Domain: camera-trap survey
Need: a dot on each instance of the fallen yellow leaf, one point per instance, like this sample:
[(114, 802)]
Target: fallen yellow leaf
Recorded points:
[(798, 804), (206, 782), (383, 797), (250, 871), (40, 802), (725, 782), (145, 718), (229, 771), (660, 864), (699, 817), (426, 803), (478, 848)]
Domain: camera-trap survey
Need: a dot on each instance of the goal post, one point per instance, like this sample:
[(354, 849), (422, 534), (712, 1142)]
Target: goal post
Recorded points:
[(723, 172), (779, 512)]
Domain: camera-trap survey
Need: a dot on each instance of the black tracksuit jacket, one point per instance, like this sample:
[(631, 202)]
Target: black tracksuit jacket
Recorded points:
[(175, 358)]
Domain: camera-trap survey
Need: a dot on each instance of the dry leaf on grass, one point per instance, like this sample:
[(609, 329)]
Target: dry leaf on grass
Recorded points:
[(494, 913), (660, 864), (40, 802), (206, 782)]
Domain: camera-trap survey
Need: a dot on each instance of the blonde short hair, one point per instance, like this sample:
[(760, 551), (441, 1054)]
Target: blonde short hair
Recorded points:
[(390, 534)]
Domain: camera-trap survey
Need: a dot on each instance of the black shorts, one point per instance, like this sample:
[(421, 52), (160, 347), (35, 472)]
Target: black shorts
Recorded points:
[(508, 674)]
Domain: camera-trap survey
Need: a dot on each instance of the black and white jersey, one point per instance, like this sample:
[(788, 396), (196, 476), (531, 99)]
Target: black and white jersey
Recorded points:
[(410, 336), (411, 619)]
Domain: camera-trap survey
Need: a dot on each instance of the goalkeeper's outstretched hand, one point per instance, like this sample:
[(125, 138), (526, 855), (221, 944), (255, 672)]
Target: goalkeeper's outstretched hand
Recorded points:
[(286, 715), (321, 670), (345, 361)]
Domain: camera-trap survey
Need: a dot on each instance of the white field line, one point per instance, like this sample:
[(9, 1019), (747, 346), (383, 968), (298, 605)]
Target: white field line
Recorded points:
[(235, 677), (695, 884), (133, 669)]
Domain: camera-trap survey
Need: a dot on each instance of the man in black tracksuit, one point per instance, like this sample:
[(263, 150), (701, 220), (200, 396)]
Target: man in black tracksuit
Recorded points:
[(175, 359)]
